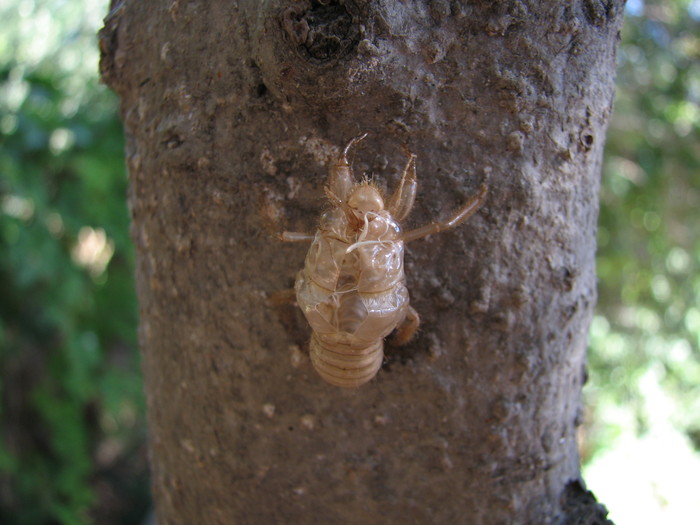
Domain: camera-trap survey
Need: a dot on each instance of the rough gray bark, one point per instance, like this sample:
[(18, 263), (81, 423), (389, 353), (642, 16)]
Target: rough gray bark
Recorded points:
[(231, 108)]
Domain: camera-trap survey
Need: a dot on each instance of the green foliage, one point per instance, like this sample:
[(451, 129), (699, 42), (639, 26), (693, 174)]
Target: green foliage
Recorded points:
[(72, 408), (645, 339)]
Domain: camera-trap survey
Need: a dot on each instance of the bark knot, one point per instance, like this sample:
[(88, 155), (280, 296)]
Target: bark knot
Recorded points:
[(322, 30), (111, 57), (597, 11)]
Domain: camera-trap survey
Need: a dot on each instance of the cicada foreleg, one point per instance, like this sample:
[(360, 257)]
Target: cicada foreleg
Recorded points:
[(341, 179), (457, 218), (402, 200)]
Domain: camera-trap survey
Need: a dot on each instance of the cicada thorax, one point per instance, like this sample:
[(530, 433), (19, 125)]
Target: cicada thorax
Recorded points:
[(353, 294)]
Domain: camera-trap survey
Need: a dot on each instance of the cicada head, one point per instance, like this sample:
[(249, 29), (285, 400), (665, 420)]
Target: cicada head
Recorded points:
[(365, 197)]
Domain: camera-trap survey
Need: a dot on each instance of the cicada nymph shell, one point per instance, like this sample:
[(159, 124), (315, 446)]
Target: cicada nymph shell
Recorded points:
[(352, 288)]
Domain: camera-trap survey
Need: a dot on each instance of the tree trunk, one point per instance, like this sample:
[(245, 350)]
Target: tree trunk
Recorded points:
[(232, 112)]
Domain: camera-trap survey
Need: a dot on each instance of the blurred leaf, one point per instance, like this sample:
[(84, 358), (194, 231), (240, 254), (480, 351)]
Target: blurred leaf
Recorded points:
[(68, 331), (645, 356)]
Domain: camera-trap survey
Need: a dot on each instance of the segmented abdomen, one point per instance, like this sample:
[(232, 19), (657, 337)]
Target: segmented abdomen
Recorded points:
[(342, 365), (347, 344), (353, 294)]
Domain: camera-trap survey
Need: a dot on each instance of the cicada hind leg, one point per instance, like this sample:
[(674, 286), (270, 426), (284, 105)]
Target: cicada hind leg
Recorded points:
[(344, 366), (407, 328)]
